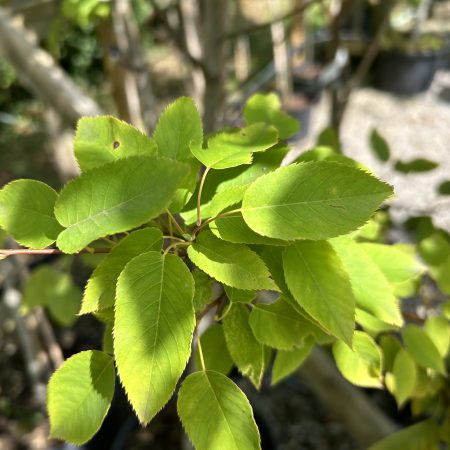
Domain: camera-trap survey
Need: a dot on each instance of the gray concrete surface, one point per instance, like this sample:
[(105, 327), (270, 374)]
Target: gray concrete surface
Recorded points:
[(415, 127)]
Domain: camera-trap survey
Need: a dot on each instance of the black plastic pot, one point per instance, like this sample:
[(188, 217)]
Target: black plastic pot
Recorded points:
[(405, 73)]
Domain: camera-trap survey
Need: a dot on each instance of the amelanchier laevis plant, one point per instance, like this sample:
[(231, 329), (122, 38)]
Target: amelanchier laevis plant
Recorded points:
[(179, 212)]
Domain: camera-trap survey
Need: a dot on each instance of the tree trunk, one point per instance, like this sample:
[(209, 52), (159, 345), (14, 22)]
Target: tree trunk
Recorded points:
[(364, 420), (38, 71)]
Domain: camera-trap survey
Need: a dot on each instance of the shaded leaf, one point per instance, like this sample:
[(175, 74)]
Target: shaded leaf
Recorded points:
[(239, 295), (379, 146), (203, 290), (422, 349), (216, 414), (154, 322), (215, 351), (421, 436), (279, 325), (404, 375), (79, 396), (371, 289), (232, 264), (56, 291), (26, 212), (100, 290), (319, 283), (415, 166), (444, 188), (438, 330), (248, 354), (287, 362), (361, 365)]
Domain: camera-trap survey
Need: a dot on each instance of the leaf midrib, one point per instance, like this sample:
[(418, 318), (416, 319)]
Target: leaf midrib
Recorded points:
[(303, 202)]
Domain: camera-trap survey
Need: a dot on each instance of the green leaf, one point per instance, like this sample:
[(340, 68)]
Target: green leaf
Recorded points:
[(230, 149), (441, 275), (329, 138), (187, 188), (362, 366), (279, 325), (371, 289), (79, 396), (115, 197), (315, 200), (108, 343), (390, 346), (287, 362), (247, 353), (203, 289), (371, 324), (438, 331), (232, 264), (319, 283), (49, 287), (215, 351), (444, 188), (100, 290), (26, 212), (233, 228), (435, 248), (267, 108), (178, 126), (153, 328), (421, 436), (415, 166), (422, 349), (397, 262), (222, 180), (239, 295), (101, 140), (379, 146), (216, 414), (404, 375)]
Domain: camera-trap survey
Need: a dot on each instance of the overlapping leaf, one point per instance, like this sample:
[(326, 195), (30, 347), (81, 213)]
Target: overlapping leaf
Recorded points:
[(320, 285), (316, 200), (372, 290), (361, 365), (232, 264), (215, 351), (115, 197), (279, 325), (267, 108), (79, 396), (153, 327), (178, 126), (248, 354), (287, 362), (100, 290), (216, 414), (231, 149)]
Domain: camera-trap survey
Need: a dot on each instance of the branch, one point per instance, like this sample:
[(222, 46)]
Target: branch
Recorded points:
[(261, 26), (4, 252), (40, 73), (364, 420)]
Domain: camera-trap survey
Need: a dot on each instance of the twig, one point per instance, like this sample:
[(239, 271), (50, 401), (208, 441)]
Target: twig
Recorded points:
[(47, 251), (261, 26), (53, 348)]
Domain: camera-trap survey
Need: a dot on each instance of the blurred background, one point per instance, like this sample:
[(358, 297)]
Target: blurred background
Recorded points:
[(368, 78)]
